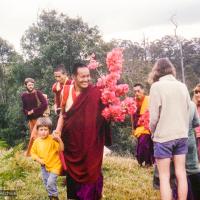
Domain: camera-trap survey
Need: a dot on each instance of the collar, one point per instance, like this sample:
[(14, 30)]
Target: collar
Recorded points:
[(168, 77)]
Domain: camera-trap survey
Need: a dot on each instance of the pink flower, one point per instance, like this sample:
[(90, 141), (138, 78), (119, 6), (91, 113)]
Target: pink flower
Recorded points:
[(114, 112), (106, 113), (129, 105), (108, 97), (144, 120), (93, 63), (114, 60), (121, 90), (111, 93), (108, 81)]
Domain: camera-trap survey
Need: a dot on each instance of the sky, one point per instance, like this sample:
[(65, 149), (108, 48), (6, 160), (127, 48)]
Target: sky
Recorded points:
[(119, 19)]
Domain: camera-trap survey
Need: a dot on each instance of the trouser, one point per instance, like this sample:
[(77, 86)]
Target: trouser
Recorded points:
[(145, 150), (84, 191), (33, 134), (195, 185), (49, 180)]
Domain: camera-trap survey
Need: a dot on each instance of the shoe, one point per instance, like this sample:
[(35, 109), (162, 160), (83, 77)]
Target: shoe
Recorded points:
[(53, 198)]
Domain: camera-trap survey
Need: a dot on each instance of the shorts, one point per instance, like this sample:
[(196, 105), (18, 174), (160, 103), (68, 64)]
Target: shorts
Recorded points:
[(170, 148)]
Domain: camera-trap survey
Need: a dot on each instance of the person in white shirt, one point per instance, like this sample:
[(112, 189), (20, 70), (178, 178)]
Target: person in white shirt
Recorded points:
[(169, 108)]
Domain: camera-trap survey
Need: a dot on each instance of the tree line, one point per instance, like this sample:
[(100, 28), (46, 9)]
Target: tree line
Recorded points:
[(56, 38)]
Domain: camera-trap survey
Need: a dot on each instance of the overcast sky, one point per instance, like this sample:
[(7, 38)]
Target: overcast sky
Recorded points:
[(120, 19)]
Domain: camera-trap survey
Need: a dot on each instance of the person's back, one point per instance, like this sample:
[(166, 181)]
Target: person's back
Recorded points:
[(173, 98), (169, 123)]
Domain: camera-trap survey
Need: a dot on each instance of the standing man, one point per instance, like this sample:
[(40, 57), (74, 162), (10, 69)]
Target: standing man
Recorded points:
[(34, 104), (61, 77), (84, 133), (169, 107), (145, 144)]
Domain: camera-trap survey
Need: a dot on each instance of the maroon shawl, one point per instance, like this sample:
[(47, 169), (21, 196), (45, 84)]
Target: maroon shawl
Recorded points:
[(84, 134)]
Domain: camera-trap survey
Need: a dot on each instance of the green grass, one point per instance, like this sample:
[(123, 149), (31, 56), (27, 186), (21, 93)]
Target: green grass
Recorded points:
[(123, 178)]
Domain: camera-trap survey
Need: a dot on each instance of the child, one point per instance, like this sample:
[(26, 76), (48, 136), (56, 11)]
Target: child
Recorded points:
[(45, 151)]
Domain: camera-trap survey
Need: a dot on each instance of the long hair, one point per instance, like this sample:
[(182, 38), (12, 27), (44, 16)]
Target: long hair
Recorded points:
[(162, 67), (197, 87)]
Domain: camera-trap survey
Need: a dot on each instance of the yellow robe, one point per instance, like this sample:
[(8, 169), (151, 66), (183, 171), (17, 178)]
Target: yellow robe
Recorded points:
[(141, 129)]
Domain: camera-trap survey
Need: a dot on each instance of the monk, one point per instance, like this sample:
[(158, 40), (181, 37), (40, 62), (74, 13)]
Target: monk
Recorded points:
[(84, 132), (62, 79), (145, 144)]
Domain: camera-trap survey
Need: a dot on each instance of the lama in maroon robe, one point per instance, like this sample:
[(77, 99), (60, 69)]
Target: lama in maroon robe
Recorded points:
[(84, 134)]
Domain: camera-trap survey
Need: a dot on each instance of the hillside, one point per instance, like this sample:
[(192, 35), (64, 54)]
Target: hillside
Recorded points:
[(123, 178)]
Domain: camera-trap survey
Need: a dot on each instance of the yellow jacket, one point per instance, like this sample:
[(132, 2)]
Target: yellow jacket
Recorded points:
[(141, 129), (48, 150)]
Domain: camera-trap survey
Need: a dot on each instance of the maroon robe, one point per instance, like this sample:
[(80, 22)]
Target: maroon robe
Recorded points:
[(57, 93), (84, 133)]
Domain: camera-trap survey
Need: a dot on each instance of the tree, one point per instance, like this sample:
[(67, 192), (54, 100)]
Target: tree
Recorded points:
[(7, 56), (56, 38)]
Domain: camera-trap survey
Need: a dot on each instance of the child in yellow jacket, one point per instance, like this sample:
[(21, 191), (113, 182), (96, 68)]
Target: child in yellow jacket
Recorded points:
[(45, 151)]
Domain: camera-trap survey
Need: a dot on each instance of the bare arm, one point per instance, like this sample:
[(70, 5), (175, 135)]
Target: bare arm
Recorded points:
[(59, 140), (59, 125)]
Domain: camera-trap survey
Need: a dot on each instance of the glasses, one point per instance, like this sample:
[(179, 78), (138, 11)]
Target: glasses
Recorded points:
[(197, 91)]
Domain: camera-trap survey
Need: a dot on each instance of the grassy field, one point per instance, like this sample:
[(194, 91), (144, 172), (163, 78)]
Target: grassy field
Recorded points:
[(123, 178)]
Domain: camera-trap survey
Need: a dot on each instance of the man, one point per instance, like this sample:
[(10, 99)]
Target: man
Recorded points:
[(169, 108), (34, 104), (84, 133), (60, 75), (145, 145)]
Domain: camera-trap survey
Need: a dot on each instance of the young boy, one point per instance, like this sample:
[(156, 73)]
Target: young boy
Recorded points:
[(45, 151)]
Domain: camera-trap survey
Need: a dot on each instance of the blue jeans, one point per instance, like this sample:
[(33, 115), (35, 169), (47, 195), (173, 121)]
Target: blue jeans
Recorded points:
[(49, 180)]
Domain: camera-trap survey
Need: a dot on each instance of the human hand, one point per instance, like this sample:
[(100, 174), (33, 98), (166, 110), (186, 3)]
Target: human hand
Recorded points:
[(30, 112), (41, 161), (56, 135)]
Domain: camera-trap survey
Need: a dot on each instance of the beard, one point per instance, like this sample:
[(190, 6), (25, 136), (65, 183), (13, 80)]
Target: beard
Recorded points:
[(30, 89)]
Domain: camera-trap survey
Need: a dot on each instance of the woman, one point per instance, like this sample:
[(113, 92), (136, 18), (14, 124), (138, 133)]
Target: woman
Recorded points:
[(196, 99)]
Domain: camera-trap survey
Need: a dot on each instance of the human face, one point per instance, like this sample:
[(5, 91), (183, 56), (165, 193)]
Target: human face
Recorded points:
[(138, 92), (30, 87), (82, 78), (60, 76), (43, 132), (197, 94)]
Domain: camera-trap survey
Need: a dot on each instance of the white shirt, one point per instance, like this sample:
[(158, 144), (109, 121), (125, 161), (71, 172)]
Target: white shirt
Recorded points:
[(169, 108)]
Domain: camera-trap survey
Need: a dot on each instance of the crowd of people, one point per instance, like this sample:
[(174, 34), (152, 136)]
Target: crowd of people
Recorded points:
[(171, 142)]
